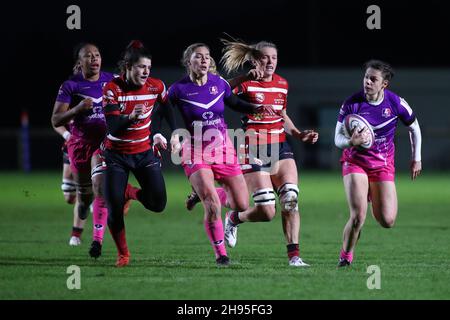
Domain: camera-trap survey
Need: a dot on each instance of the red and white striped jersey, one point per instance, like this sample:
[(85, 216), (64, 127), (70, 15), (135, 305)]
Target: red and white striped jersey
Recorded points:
[(273, 93), (136, 137)]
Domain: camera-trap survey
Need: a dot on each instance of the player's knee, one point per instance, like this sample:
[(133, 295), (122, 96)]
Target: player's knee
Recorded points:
[(69, 189), (241, 205), (211, 204), (266, 212), (155, 202), (156, 207), (288, 194), (387, 222), (97, 178), (358, 221)]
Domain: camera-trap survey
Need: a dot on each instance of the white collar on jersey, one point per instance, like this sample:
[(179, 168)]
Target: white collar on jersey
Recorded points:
[(377, 102)]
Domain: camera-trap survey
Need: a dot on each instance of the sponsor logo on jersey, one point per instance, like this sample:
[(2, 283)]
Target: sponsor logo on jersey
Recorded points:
[(213, 90), (207, 115), (259, 97), (386, 113)]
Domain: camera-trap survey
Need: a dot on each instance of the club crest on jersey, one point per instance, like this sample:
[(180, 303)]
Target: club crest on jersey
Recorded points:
[(207, 115), (213, 90), (259, 97), (386, 113)]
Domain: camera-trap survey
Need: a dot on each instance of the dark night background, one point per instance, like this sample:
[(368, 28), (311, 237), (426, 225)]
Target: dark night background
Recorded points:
[(37, 46), (311, 36)]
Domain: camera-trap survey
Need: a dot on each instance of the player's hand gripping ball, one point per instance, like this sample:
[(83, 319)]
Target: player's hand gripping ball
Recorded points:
[(354, 121)]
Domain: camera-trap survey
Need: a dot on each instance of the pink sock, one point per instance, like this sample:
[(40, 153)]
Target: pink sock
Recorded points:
[(100, 217), (223, 197), (346, 255), (214, 230)]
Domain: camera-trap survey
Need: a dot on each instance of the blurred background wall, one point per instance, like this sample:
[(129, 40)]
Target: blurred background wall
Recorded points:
[(322, 46)]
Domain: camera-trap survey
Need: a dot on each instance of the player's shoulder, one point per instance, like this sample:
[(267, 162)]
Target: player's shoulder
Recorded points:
[(115, 84), (73, 81), (181, 82), (155, 83), (222, 80), (279, 81), (106, 76), (355, 98), (392, 97)]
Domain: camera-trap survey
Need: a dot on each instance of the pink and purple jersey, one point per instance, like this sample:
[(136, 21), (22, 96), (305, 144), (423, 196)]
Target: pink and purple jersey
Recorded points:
[(90, 125), (202, 108), (383, 117)]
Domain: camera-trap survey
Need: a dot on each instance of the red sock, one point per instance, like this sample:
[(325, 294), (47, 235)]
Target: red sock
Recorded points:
[(76, 232), (293, 250), (121, 241), (234, 217)]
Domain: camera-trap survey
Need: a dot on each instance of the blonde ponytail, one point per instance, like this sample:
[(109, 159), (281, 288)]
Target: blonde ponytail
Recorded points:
[(236, 53)]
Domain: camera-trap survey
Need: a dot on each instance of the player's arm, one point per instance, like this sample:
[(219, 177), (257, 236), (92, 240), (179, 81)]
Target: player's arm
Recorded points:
[(163, 111), (309, 136), (117, 122), (63, 132), (62, 114), (341, 141), (409, 119), (245, 107), (254, 74), (415, 138)]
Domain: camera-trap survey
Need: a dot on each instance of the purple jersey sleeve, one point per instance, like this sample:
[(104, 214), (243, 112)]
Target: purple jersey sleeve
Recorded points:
[(405, 113), (226, 87), (65, 92), (345, 110), (171, 94)]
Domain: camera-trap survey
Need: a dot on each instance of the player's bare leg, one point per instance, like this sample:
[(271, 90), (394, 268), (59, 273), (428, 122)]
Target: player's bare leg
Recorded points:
[(81, 208), (68, 185), (260, 186), (356, 187), (285, 180), (264, 210), (203, 182), (384, 202)]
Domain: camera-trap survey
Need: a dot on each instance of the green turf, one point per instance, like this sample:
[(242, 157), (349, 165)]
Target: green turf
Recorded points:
[(172, 259)]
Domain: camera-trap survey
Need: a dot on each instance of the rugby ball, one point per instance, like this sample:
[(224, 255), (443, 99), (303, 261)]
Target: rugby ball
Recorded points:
[(354, 121)]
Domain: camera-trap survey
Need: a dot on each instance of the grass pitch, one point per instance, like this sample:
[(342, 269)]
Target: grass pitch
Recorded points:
[(172, 259)]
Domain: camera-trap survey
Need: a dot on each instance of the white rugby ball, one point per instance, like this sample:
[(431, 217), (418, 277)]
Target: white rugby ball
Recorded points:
[(354, 121)]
